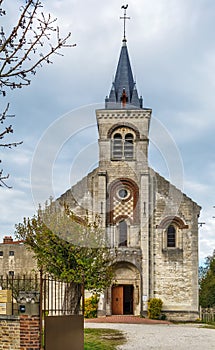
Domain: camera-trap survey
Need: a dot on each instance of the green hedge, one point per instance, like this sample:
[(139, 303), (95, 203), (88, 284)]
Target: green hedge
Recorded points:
[(154, 308)]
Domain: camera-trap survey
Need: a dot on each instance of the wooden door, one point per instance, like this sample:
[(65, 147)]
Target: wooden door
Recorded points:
[(117, 300)]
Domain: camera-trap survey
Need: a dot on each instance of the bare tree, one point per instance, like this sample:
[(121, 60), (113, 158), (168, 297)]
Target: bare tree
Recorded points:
[(33, 40)]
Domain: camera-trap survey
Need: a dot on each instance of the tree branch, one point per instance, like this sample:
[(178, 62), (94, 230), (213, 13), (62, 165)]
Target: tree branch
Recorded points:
[(20, 55)]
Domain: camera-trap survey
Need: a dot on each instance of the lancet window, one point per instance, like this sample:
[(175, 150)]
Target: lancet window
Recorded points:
[(123, 232)]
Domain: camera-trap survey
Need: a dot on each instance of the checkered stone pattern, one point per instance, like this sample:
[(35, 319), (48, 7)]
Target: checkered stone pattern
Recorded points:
[(123, 208)]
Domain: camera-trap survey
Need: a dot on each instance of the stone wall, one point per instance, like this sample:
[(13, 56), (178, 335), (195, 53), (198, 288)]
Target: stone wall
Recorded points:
[(181, 316), (19, 333)]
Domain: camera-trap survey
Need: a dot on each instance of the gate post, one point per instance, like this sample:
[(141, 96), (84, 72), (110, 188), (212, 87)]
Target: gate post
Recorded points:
[(41, 308)]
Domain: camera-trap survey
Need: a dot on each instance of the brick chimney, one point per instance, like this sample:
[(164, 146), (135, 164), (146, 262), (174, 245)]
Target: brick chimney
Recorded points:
[(7, 240)]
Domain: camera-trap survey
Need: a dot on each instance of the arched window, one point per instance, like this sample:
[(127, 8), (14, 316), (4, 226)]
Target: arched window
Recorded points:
[(129, 146), (171, 236), (122, 143), (123, 231), (117, 146)]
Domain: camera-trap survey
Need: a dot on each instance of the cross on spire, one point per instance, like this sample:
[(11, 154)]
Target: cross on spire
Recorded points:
[(124, 18)]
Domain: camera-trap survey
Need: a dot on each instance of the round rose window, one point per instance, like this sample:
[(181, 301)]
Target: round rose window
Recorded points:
[(123, 193)]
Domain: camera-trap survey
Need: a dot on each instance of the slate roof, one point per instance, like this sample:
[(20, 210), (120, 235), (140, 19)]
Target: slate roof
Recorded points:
[(123, 85)]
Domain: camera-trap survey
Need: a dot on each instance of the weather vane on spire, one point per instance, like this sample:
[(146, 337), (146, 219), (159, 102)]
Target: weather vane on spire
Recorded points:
[(124, 18)]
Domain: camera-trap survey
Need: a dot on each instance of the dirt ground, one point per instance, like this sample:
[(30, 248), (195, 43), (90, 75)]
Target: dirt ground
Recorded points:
[(162, 336)]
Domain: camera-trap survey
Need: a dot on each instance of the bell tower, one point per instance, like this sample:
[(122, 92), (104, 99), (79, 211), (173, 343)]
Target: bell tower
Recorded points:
[(124, 123), (123, 178)]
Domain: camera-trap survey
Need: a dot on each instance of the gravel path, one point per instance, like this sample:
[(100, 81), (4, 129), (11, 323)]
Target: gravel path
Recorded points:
[(163, 337)]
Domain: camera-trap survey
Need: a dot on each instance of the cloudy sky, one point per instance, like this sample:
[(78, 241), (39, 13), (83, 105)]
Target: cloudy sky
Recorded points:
[(172, 51)]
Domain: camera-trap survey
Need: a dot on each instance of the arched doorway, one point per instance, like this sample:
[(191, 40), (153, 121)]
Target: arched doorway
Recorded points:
[(125, 292)]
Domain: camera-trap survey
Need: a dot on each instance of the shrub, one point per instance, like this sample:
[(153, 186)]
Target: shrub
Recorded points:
[(91, 306), (154, 308)]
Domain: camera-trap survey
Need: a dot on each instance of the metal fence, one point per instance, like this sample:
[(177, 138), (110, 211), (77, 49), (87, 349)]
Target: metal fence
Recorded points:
[(55, 297), (24, 289), (52, 295), (207, 315)]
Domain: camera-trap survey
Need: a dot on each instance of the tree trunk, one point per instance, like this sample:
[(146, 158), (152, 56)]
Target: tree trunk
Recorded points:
[(72, 297)]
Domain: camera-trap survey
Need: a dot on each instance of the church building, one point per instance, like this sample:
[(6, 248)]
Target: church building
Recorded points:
[(150, 225)]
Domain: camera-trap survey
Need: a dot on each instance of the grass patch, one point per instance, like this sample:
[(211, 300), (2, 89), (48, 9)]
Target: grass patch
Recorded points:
[(210, 325), (102, 339)]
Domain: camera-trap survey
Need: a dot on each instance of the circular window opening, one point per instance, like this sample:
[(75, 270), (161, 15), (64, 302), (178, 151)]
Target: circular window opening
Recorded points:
[(123, 193)]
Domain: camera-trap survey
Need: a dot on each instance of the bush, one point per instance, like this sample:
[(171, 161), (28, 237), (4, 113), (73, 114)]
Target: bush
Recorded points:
[(91, 306), (154, 308)]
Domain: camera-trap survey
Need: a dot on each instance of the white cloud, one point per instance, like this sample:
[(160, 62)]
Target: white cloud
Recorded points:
[(171, 46), (196, 187)]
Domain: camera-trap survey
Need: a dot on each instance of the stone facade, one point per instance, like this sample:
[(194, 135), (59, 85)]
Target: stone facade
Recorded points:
[(174, 270), (151, 227)]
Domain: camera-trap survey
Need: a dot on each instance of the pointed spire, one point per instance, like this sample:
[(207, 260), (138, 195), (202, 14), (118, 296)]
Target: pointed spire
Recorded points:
[(123, 93), (123, 84)]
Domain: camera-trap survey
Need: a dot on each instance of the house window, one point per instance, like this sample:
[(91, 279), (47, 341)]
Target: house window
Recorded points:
[(171, 237), (11, 273), (1, 253), (11, 253), (123, 231)]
